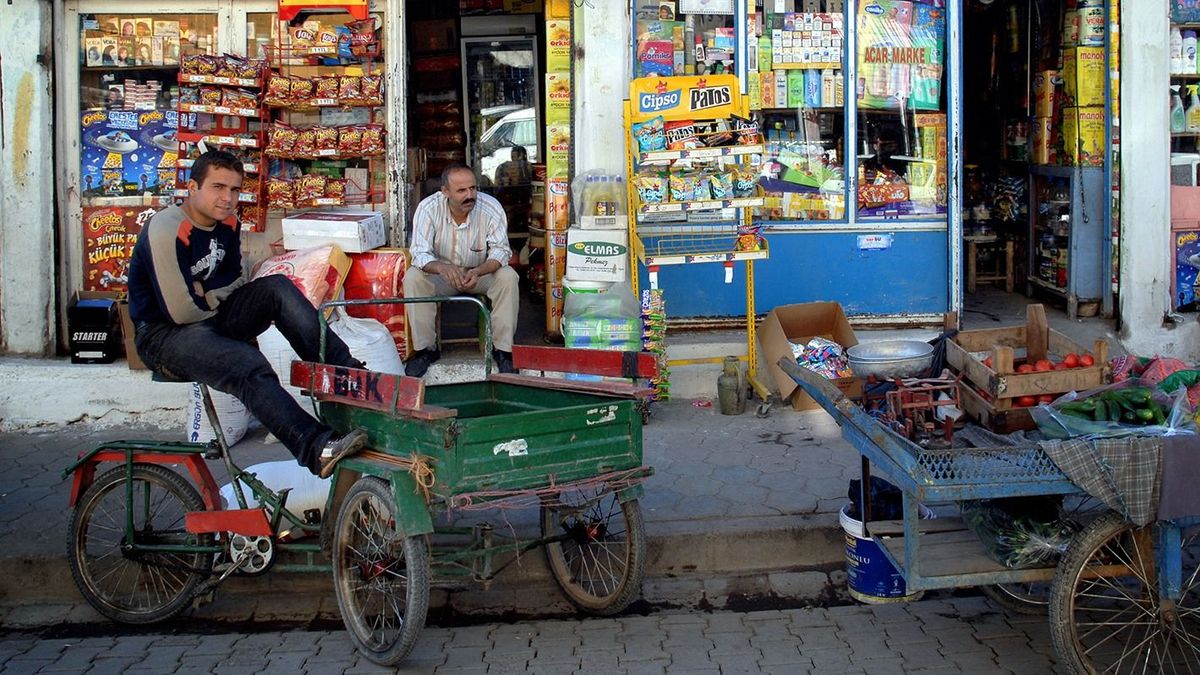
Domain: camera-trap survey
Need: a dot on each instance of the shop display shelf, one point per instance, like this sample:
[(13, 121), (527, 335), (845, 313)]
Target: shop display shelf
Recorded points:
[(779, 65), (706, 205), (220, 140), (248, 167), (219, 110), (701, 153), (695, 247), (192, 78), (1042, 283), (244, 198)]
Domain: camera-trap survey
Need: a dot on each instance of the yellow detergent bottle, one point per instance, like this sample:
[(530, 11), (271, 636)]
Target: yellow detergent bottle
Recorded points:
[(1193, 111)]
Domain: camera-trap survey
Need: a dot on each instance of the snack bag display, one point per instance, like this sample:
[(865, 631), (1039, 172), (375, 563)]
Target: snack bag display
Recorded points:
[(349, 141), (282, 141), (327, 139), (650, 135), (210, 95), (681, 135), (306, 143), (651, 188), (279, 90), (743, 183), (280, 194), (700, 186), (349, 88), (721, 185), (681, 189), (301, 90), (372, 140), (335, 188), (372, 90), (310, 187), (747, 131), (326, 87)]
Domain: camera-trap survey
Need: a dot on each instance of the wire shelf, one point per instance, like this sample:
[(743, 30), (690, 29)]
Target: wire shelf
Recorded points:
[(683, 244)]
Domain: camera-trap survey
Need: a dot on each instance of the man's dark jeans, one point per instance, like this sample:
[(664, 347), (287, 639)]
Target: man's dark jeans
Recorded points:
[(217, 352)]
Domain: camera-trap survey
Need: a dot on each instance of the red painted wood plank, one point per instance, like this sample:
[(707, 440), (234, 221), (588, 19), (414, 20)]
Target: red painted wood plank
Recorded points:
[(616, 389), (358, 387), (250, 522), (588, 361)]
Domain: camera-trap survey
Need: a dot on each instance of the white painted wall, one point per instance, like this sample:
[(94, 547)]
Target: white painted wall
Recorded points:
[(601, 85), (27, 269), (1146, 258)]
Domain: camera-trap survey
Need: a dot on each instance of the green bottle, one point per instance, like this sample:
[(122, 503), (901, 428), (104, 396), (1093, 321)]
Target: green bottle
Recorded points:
[(764, 53)]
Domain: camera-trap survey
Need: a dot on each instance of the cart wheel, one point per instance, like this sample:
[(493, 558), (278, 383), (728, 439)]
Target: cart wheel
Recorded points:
[(381, 578), (1105, 610), (600, 556), (128, 586), (1027, 598)]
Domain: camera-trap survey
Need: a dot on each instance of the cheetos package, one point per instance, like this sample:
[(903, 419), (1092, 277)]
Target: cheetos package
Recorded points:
[(379, 274)]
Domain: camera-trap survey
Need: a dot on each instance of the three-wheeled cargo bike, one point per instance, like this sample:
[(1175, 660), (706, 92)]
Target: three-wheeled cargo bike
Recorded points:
[(145, 542)]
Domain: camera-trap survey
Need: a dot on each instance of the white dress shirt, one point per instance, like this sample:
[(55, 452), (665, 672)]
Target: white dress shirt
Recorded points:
[(437, 237)]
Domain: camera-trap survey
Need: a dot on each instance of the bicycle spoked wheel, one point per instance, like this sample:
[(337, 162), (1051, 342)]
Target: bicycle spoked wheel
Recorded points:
[(1106, 614), (599, 558), (123, 583), (381, 578)]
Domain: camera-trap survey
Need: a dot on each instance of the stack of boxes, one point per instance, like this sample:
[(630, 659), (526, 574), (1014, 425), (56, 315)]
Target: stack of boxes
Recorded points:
[(1069, 124), (796, 57), (555, 186)]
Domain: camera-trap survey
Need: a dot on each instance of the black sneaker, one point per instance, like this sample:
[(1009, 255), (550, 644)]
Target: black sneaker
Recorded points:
[(338, 449), (420, 361), (503, 361)]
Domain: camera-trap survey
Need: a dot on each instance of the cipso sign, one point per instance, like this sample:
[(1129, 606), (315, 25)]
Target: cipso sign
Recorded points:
[(699, 98)]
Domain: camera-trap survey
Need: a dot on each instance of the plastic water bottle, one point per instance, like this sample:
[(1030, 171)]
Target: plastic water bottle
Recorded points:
[(1176, 50)]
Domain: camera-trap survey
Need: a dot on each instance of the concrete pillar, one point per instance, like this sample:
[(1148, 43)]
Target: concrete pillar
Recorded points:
[(1147, 262), (601, 85), (27, 267)]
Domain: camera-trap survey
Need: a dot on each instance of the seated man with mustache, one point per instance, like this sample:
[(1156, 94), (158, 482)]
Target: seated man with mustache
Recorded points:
[(460, 245)]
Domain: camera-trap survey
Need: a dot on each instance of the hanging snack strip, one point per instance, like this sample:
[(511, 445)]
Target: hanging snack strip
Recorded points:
[(654, 337)]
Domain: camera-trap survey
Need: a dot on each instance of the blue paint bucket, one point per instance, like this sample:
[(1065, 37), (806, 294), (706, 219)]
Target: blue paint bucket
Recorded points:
[(870, 576)]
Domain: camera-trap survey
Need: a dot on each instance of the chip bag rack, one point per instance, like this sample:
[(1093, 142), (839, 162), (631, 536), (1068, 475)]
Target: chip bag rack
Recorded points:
[(221, 106)]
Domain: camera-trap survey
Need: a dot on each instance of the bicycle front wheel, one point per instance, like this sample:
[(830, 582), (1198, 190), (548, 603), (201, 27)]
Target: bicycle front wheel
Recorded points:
[(126, 583), (381, 578)]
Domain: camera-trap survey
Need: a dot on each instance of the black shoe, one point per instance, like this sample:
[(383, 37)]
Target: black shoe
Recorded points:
[(503, 361), (338, 449), (420, 361)]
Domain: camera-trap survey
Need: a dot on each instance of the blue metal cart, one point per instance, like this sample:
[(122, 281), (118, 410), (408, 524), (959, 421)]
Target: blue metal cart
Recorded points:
[(1121, 599)]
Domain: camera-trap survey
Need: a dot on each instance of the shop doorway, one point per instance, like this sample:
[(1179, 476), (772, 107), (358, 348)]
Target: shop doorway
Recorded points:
[(1035, 183), (475, 97)]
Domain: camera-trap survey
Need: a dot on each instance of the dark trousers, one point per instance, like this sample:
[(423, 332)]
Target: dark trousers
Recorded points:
[(217, 352)]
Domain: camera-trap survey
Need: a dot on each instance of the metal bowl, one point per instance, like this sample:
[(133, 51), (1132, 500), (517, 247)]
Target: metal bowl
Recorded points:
[(890, 358)]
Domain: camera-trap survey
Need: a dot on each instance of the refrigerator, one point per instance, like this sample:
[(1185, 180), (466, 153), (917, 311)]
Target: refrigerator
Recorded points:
[(500, 91)]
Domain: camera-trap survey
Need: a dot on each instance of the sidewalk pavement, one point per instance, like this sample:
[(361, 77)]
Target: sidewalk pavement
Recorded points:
[(741, 513)]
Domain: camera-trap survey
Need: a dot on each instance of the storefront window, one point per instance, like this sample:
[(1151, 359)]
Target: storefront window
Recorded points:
[(797, 86), (128, 124), (683, 37), (901, 108)]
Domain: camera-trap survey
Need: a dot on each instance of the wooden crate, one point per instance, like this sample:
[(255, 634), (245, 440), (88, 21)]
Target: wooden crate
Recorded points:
[(1003, 385)]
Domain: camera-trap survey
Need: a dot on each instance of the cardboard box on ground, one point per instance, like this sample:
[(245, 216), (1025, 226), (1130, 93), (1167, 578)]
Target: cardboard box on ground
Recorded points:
[(798, 324)]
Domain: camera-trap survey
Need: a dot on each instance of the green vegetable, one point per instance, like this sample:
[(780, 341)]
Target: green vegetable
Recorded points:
[(1114, 410), (1159, 417), (1144, 415), (1100, 414)]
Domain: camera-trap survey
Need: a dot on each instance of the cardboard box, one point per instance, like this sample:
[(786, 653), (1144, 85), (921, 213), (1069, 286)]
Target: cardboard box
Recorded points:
[(1046, 85), (1083, 134), (434, 36), (352, 231), (1042, 146), (597, 255), (558, 45), (92, 328), (1185, 252), (558, 98), (798, 324), (1084, 73), (127, 336)]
